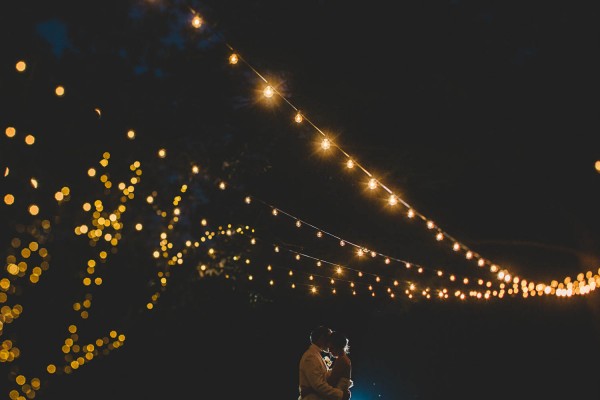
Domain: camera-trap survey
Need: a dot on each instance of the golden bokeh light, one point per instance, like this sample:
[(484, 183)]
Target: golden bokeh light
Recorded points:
[(59, 91), (10, 132), (29, 140), (33, 209), (9, 199), (162, 153), (131, 134), (233, 59), (597, 165), (197, 21), (21, 66)]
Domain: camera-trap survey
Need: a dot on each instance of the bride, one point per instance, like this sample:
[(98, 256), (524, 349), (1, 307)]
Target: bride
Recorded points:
[(340, 374)]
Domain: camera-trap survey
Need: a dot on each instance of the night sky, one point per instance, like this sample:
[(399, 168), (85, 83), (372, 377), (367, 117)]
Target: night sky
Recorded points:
[(480, 116)]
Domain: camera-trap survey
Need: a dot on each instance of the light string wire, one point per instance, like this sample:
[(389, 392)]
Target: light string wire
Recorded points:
[(362, 250), (412, 212), (442, 293)]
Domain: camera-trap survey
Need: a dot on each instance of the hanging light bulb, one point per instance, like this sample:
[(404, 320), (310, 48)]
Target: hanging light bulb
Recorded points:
[(268, 92), (372, 183), (196, 21), (326, 144), (298, 117), (233, 59), (393, 200)]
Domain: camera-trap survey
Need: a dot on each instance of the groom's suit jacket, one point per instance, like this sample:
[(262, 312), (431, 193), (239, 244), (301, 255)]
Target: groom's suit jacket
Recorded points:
[(313, 374)]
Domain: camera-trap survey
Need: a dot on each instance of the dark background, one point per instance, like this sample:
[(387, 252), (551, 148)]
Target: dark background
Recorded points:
[(483, 116)]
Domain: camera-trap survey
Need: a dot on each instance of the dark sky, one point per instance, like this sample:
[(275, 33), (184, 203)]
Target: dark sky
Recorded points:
[(482, 116)]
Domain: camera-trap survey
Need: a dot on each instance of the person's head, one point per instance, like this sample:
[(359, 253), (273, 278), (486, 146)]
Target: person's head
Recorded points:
[(338, 344), (320, 337)]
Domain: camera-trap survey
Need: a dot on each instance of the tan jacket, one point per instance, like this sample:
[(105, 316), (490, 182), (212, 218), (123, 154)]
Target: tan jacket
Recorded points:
[(313, 374)]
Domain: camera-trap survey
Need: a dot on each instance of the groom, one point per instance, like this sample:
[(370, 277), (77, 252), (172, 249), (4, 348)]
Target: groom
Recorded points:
[(313, 370)]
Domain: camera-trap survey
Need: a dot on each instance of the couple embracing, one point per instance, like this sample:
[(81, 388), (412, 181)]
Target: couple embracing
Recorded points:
[(318, 379)]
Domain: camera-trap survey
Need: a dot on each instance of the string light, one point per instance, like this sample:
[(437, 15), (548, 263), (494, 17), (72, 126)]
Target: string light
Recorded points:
[(197, 21), (268, 92), (233, 59)]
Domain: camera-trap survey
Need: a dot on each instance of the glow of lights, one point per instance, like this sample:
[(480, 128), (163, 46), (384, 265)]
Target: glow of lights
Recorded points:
[(393, 200), (196, 21), (248, 200), (349, 164), (10, 132), (59, 91), (91, 172), (597, 165), (326, 144), (233, 59), (33, 209), (298, 117), (195, 169), (98, 111), (410, 214), (9, 199), (268, 92), (162, 153), (21, 66), (372, 183), (131, 134), (222, 186), (34, 183), (29, 140), (138, 227), (6, 172)]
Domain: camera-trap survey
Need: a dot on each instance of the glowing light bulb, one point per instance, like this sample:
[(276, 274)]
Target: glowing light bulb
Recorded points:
[(349, 164), (222, 185), (131, 134), (430, 225), (326, 144), (342, 243), (456, 247), (248, 200), (233, 59), (274, 212), (469, 255), (393, 200), (162, 153), (10, 132), (196, 21), (439, 236), (597, 165), (195, 169), (268, 92), (21, 66), (319, 234), (298, 117), (298, 224), (372, 183), (410, 214), (59, 91), (387, 261)]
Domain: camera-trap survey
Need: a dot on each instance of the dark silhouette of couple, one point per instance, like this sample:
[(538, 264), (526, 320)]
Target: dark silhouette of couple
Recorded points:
[(320, 377)]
